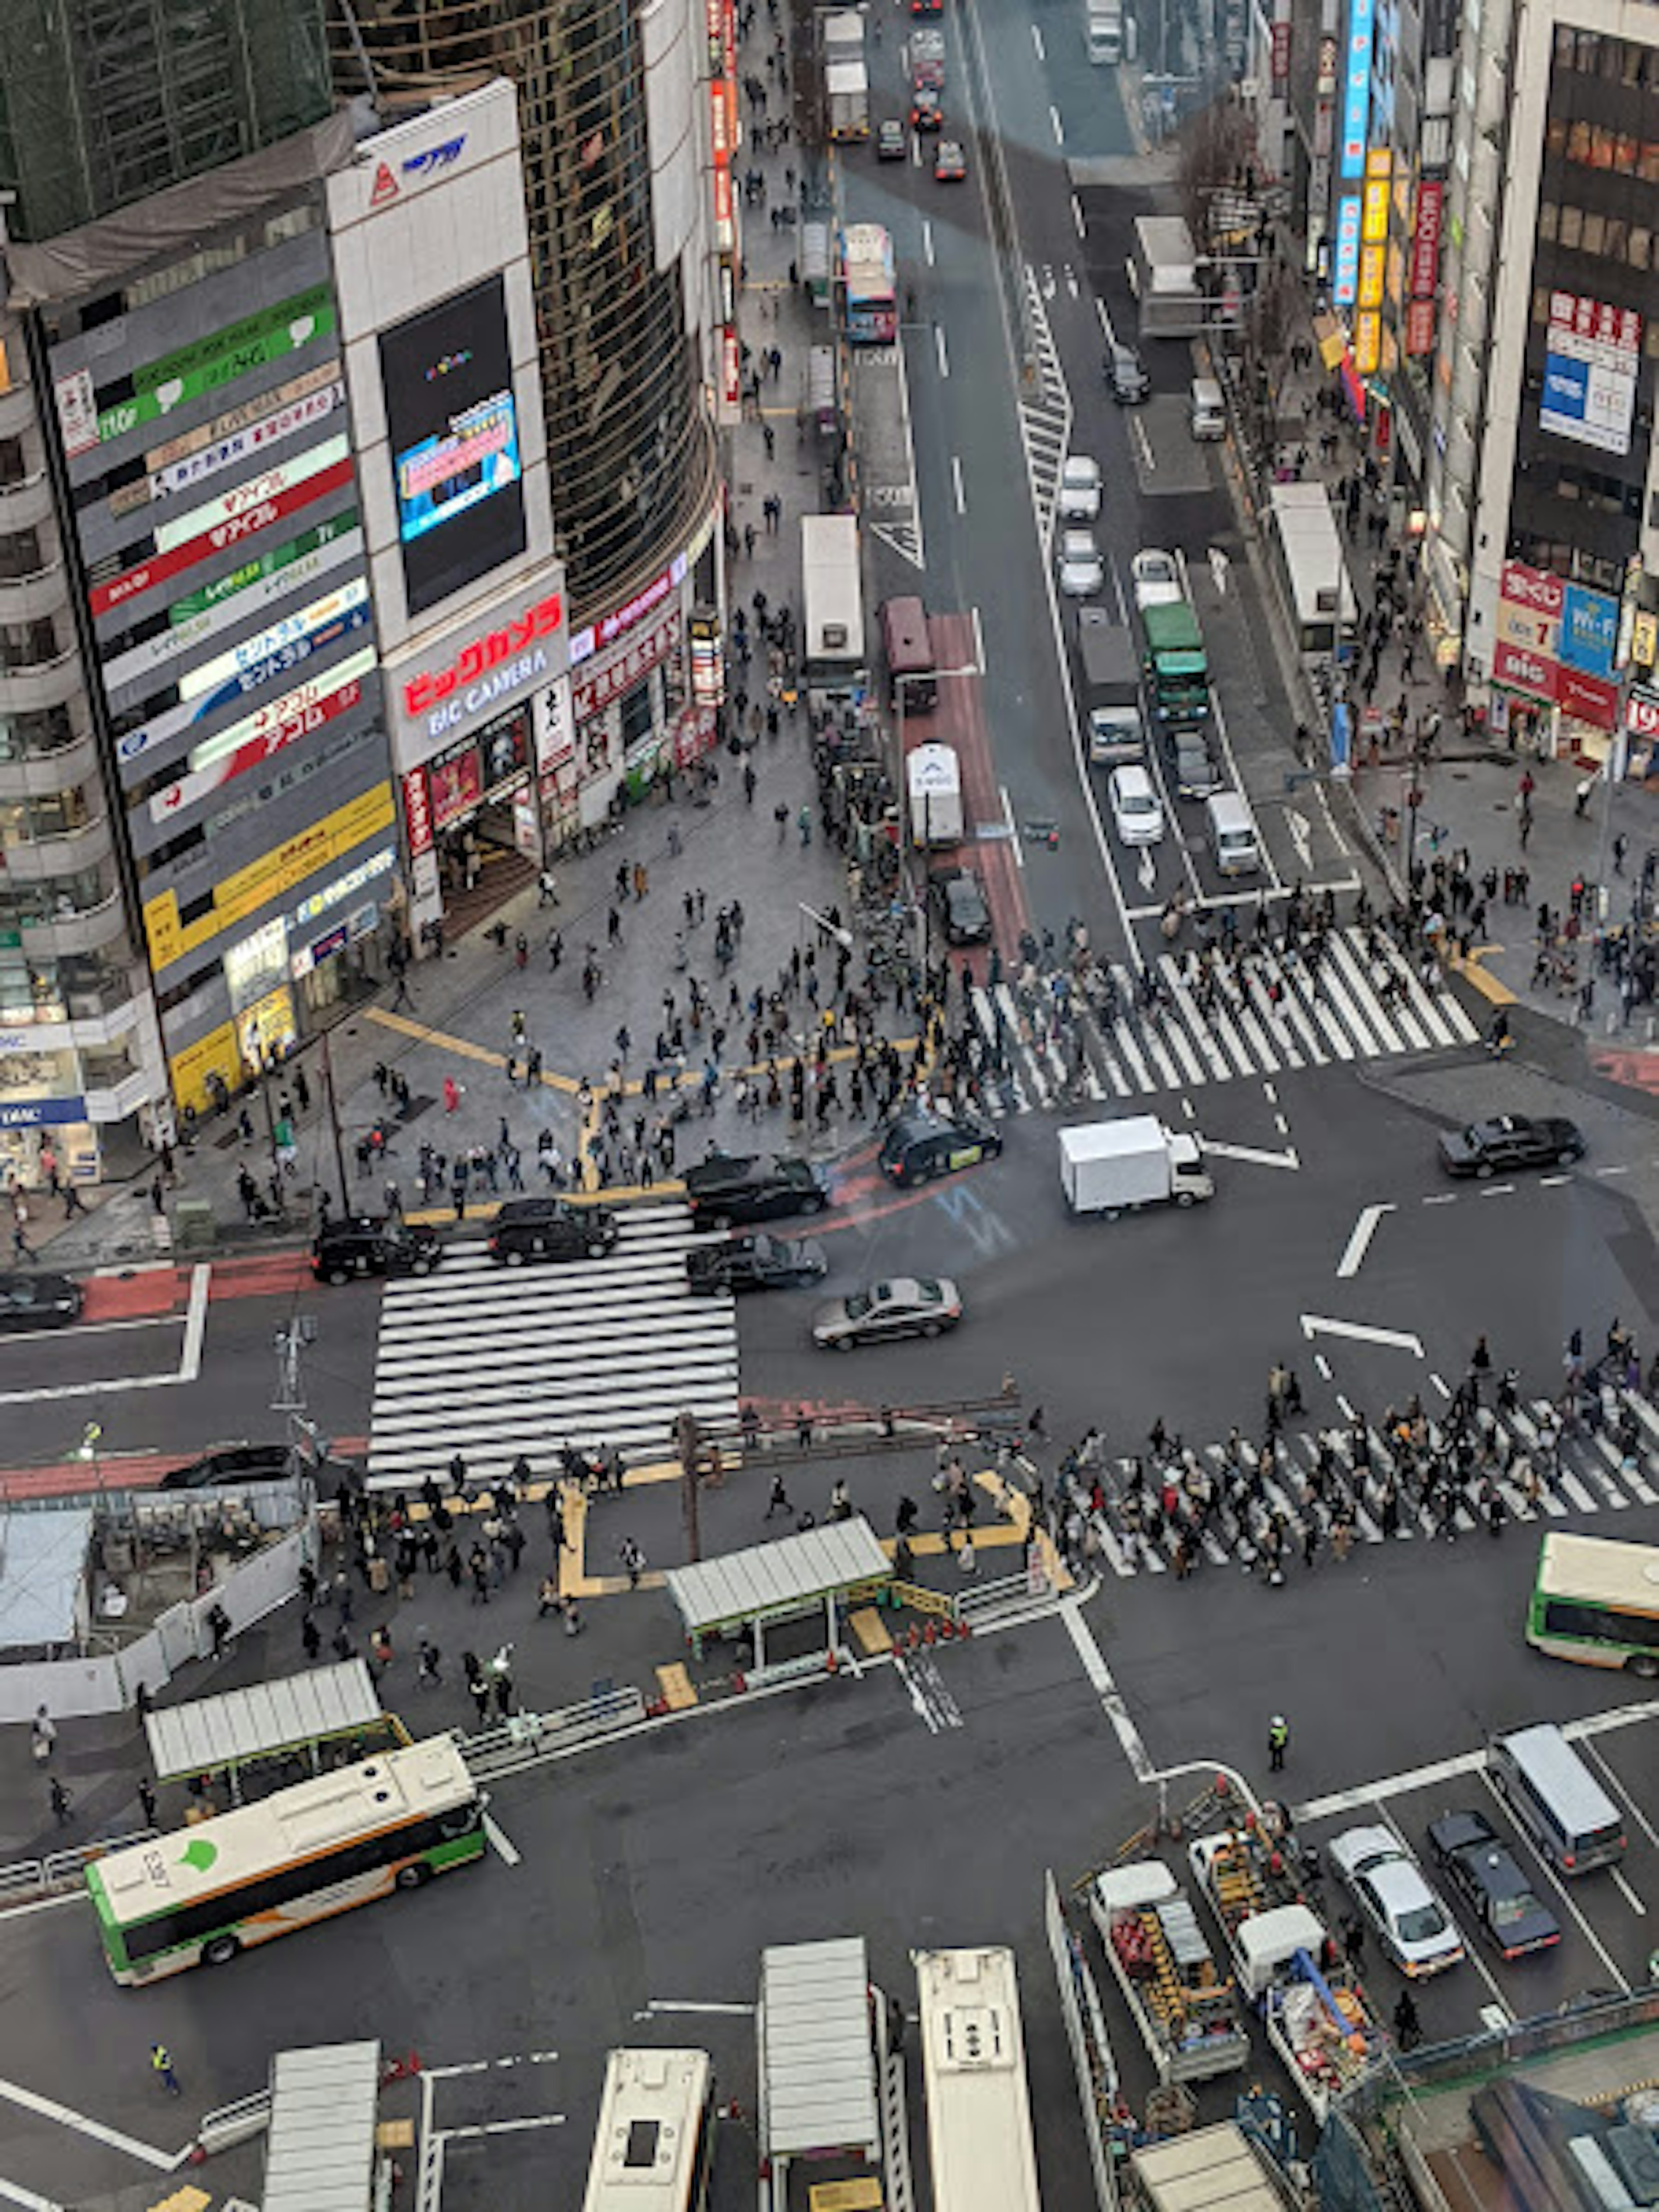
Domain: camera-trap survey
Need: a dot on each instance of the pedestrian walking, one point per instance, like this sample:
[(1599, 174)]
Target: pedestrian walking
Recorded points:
[(161, 2062), (632, 1559), (1408, 2027), (1279, 1742), (779, 1500), (43, 1736), (61, 1803)]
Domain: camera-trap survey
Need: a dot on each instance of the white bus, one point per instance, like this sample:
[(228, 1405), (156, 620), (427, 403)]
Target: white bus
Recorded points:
[(654, 2146), (204, 1894), (973, 2060), (835, 665), (1597, 1600), (1308, 547)]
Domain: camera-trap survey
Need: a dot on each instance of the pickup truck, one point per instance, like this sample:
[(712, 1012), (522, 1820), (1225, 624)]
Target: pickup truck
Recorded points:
[(1186, 2009)]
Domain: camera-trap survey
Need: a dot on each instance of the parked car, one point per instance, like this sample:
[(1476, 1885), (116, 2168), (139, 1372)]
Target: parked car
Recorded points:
[(1137, 810), (757, 1262), (1510, 1140), (1156, 577), (1081, 571), (38, 1301), (230, 1463), (727, 1187), (370, 1244), (1388, 1886), (549, 1229), (1481, 1867), (1126, 375), (922, 1145), (958, 897), (892, 139), (1080, 488), (908, 1305), (950, 162), (926, 112)]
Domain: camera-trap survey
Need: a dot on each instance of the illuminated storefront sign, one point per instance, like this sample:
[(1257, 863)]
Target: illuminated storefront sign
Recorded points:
[(1592, 356), (1357, 84), (472, 675), (418, 812), (1345, 275)]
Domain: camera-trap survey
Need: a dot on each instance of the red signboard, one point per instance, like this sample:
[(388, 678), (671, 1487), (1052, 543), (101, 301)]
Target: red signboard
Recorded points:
[(1539, 589), (1590, 699), (417, 813), (161, 566), (429, 687), (1642, 715), (1514, 666), (1425, 237), (1419, 326), (1282, 51), (456, 784)]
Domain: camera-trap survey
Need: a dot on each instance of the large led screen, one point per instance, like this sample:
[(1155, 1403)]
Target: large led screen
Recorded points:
[(454, 435)]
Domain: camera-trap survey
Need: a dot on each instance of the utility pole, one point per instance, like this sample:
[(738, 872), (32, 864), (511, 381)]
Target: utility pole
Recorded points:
[(290, 1341), (334, 1124), (688, 1438)]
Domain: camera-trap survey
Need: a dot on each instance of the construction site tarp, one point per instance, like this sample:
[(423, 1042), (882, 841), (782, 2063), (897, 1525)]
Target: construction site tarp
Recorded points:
[(769, 1580), (819, 2059), (210, 1734), (319, 2149)]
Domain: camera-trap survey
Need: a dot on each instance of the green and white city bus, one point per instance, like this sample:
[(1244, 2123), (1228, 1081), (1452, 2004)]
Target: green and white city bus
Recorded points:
[(1597, 1600)]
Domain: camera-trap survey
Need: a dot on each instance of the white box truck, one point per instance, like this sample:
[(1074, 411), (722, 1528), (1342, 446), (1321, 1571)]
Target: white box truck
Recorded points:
[(1217, 2169), (1104, 30), (1114, 1167), (933, 783)]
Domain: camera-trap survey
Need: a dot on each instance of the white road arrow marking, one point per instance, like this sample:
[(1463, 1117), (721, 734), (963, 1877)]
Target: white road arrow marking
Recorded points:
[(1301, 831), (1363, 1332), (1364, 1229), (1253, 1156)]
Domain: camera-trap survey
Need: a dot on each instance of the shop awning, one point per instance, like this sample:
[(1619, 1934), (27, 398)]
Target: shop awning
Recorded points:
[(210, 1734), (320, 2148), (770, 1580), (818, 2060)]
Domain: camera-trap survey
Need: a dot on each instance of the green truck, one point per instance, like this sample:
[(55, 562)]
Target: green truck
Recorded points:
[(1177, 672)]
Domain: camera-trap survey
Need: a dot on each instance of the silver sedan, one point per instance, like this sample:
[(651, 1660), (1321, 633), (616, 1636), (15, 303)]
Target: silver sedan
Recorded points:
[(907, 1305)]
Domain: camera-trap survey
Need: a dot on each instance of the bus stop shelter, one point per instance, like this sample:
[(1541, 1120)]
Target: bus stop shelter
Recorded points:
[(778, 1581), (319, 2146), (817, 2063), (294, 1716)]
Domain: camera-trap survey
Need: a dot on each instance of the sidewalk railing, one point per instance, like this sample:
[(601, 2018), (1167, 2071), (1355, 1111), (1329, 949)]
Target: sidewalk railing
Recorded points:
[(527, 1738), (27, 1879)]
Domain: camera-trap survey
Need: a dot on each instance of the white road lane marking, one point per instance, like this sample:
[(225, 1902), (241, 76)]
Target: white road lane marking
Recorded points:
[(928, 239), (1630, 1897), (1358, 1244), (1363, 1332), (190, 1358), (1008, 817), (48, 2108), (501, 1844), (1036, 40), (678, 2004), (1077, 217), (1100, 1678), (1620, 1791), (12, 2192), (938, 347), (1254, 1155), (1059, 129), (955, 482)]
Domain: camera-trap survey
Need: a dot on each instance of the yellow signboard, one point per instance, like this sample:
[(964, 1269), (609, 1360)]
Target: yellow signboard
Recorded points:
[(191, 1068), (1378, 162), (1374, 211), (1367, 343), (1644, 638), (1370, 275), (267, 878)]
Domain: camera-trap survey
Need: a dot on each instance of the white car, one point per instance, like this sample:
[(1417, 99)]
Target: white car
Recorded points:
[(1137, 810), (1412, 1924), (1080, 488), (1081, 572), (1156, 577)]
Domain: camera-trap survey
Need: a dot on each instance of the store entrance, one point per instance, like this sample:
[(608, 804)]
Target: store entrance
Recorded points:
[(484, 809)]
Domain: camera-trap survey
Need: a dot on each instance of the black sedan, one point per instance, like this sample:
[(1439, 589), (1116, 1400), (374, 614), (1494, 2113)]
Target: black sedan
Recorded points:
[(1510, 1140), (922, 1145), (1478, 1862), (959, 900), (759, 1262), (38, 1301), (727, 1187), (230, 1463)]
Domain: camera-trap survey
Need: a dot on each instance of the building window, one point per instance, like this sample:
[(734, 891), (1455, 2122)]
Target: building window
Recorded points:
[(1548, 216), (1639, 252), (26, 736), (13, 465), (28, 645), (20, 556), (1572, 227)]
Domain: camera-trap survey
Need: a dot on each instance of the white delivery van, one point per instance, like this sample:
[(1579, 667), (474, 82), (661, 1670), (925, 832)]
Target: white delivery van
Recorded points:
[(1207, 417), (932, 784), (1230, 828)]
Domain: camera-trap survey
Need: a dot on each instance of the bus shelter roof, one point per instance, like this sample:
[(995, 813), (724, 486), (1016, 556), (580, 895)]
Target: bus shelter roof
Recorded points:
[(210, 1734), (320, 2147), (767, 1580), (819, 2060)]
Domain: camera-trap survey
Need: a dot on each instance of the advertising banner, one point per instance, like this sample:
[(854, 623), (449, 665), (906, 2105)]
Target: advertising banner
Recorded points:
[(131, 583), (1589, 629), (1419, 327), (1592, 359), (1357, 85), (280, 477), (1425, 237), (476, 669), (315, 625), (1587, 698), (254, 742), (456, 784), (209, 458), (212, 362), (417, 813), (1522, 671), (1345, 276), (1281, 53)]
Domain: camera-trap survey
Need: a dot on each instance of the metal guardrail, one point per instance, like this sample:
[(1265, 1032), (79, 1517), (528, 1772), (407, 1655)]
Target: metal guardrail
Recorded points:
[(1007, 1594), (802, 1669), (26, 1879), (527, 1738), (228, 2125)]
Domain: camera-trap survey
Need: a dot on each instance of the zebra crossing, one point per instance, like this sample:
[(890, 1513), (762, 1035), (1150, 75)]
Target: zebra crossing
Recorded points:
[(491, 1361), (1045, 408), (1586, 1473), (1342, 1015)]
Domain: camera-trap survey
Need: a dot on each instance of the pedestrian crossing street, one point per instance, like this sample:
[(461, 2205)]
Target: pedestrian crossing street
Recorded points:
[(1586, 1474), (492, 1361), (1340, 1016)]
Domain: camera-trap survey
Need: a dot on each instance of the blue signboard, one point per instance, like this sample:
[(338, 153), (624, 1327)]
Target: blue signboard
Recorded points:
[(1357, 85), (1590, 630), (1344, 272), (35, 1113)]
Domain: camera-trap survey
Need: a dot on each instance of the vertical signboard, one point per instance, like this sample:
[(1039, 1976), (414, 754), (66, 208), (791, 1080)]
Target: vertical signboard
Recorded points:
[(1345, 276), (1356, 85), (1592, 359)]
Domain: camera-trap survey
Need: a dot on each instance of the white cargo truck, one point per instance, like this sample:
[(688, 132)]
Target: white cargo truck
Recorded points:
[(1185, 2007), (933, 783), (1104, 30), (1114, 1167), (1215, 2169)]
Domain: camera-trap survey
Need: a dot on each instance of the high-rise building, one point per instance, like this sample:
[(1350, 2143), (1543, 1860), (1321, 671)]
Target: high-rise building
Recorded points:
[(627, 193)]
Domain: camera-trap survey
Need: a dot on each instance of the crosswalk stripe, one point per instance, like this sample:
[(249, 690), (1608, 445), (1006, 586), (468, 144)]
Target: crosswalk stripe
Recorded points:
[(491, 1361)]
